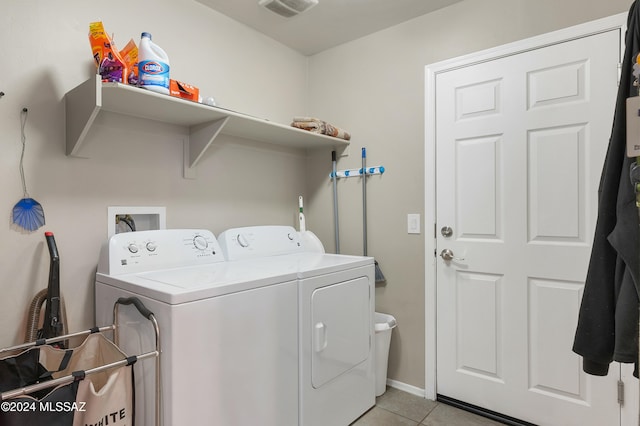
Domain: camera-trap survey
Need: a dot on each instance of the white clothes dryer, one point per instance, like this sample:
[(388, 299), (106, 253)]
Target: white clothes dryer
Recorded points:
[(336, 319), (229, 334)]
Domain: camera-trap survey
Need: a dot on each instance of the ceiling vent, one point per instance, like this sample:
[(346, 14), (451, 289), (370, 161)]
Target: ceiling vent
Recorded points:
[(288, 8)]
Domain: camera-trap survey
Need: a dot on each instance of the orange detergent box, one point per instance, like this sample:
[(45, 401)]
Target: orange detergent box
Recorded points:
[(183, 90)]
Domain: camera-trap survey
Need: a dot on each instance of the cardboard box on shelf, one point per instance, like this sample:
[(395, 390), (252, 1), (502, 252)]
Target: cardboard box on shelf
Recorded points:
[(183, 90)]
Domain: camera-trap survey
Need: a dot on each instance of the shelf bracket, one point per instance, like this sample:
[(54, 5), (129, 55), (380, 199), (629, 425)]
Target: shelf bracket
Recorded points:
[(82, 106), (200, 138)]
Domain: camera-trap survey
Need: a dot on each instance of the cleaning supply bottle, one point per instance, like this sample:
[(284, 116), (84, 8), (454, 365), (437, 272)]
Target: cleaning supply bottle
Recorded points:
[(301, 220), (153, 66)]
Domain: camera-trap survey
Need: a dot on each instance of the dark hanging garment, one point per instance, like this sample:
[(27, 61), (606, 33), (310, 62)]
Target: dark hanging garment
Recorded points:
[(608, 322)]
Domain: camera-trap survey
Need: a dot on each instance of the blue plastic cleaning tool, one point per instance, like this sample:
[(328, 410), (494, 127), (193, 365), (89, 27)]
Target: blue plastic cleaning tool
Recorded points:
[(28, 214)]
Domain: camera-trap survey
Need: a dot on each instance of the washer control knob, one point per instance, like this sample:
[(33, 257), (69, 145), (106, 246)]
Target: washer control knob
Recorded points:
[(242, 240), (151, 246), (200, 242), (133, 248), (290, 236)]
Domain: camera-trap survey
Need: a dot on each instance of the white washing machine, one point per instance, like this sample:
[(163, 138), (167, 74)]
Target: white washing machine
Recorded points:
[(229, 334), (336, 318)]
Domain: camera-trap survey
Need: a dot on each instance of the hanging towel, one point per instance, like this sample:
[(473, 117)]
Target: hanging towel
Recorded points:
[(608, 321), (315, 125)]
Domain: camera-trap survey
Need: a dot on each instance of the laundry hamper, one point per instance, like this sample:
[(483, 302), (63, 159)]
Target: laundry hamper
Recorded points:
[(91, 384), (384, 325)]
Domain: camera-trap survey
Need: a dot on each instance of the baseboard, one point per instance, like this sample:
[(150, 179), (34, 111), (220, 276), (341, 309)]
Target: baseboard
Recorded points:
[(414, 390)]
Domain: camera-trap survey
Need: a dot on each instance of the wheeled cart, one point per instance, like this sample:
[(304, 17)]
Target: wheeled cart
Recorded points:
[(90, 384)]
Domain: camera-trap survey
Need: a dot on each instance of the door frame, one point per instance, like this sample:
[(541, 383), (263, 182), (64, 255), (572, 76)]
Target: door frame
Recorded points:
[(431, 71)]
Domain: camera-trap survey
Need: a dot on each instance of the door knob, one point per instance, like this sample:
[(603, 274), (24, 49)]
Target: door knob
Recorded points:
[(447, 255)]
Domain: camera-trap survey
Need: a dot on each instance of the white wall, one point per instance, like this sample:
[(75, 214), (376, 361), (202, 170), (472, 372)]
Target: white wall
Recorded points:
[(46, 52), (374, 87)]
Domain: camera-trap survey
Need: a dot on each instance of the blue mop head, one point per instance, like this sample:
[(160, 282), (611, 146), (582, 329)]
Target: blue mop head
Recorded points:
[(28, 214)]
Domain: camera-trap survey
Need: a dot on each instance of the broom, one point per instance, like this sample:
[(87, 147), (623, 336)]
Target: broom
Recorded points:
[(379, 275)]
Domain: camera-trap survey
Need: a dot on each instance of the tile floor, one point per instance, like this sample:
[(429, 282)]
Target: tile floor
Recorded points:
[(398, 408)]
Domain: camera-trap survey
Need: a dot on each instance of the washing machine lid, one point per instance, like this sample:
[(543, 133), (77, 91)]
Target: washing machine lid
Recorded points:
[(182, 285)]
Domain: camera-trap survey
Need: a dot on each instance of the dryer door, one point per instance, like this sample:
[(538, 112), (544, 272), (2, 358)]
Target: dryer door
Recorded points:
[(341, 326)]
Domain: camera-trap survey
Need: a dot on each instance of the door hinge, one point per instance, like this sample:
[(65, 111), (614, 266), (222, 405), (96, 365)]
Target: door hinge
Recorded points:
[(620, 392), (619, 72)]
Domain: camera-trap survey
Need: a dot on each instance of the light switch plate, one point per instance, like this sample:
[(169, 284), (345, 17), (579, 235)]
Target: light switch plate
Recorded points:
[(413, 223)]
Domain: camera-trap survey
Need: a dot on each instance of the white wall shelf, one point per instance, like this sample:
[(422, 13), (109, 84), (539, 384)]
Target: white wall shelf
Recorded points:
[(85, 102)]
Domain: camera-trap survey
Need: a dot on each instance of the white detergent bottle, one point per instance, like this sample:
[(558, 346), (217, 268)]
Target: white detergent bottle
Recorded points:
[(153, 66)]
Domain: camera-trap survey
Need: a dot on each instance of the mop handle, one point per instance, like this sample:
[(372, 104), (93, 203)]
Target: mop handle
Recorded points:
[(364, 201), (334, 178)]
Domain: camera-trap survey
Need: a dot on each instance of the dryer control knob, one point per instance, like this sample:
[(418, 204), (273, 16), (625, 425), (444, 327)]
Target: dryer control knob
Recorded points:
[(242, 240), (133, 248), (151, 246), (200, 242)]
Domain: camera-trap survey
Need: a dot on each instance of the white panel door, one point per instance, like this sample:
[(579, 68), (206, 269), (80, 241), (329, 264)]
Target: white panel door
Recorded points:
[(520, 143)]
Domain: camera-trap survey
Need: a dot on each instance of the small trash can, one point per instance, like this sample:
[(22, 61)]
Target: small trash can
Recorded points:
[(384, 325)]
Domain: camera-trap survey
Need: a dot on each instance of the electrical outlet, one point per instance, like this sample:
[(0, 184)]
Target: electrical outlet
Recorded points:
[(413, 223)]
